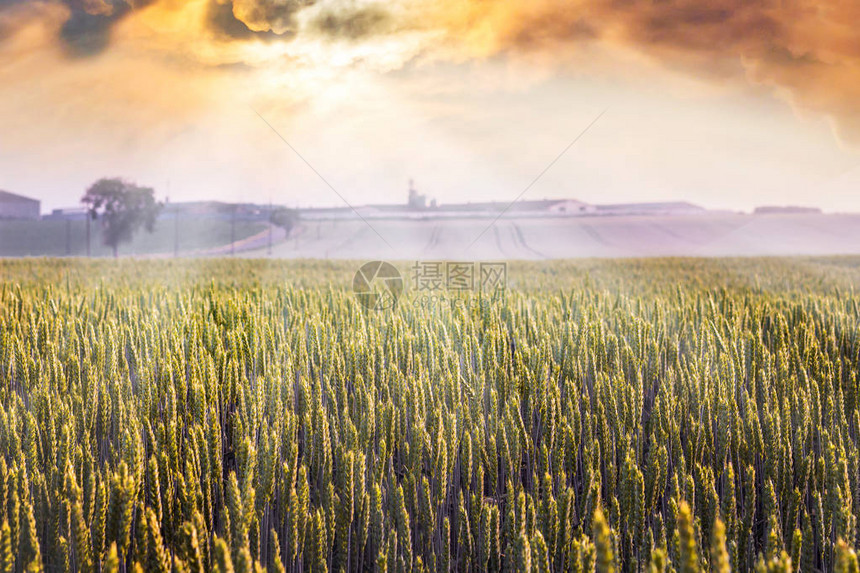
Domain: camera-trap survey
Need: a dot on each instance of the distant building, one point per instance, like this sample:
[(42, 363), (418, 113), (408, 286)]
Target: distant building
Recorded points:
[(667, 208), (529, 207), (416, 200), (326, 213), (69, 213), (565, 207), (14, 206), (214, 210), (202, 209), (417, 208), (786, 210)]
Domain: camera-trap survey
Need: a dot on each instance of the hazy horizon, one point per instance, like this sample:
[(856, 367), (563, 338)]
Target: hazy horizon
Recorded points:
[(718, 103)]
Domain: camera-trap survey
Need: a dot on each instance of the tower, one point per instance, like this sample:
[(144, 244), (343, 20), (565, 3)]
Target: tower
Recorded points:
[(416, 200)]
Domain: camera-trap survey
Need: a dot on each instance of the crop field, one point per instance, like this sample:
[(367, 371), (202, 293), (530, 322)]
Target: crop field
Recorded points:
[(615, 415)]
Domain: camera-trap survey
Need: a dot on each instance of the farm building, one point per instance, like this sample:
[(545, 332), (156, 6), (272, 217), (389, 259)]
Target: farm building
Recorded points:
[(669, 208), (521, 207), (14, 206), (66, 214), (786, 210)]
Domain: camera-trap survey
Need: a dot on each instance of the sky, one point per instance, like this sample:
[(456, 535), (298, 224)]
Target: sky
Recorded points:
[(729, 104)]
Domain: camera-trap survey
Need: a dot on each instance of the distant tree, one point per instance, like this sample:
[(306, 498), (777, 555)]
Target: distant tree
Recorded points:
[(285, 218), (123, 208)]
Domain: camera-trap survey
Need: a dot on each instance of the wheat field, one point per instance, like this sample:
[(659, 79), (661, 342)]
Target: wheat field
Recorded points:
[(669, 414)]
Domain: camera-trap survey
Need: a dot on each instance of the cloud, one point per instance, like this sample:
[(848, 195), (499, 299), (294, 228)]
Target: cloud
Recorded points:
[(87, 26), (255, 19), (807, 51), (352, 23), (226, 25), (86, 33), (277, 16)]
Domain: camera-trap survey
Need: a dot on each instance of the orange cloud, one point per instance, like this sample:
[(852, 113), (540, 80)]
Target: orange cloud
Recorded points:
[(808, 51)]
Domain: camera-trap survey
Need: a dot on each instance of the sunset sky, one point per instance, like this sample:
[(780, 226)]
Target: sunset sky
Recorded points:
[(725, 103)]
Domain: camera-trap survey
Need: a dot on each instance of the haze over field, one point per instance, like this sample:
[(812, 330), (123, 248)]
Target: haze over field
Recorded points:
[(726, 103), (558, 238)]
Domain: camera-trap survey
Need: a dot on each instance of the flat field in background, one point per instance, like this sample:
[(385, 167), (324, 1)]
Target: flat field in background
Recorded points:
[(213, 414), (535, 238)]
